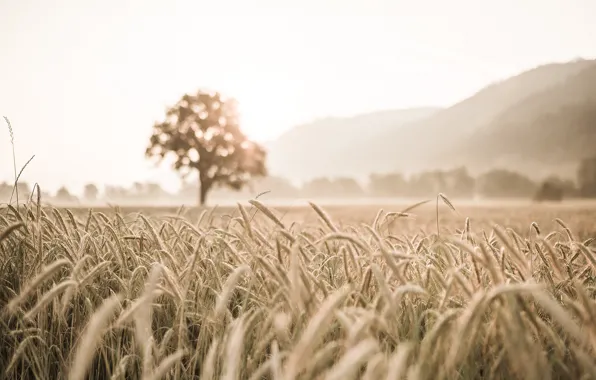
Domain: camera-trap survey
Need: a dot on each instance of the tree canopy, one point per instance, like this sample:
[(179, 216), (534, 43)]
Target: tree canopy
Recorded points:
[(202, 133)]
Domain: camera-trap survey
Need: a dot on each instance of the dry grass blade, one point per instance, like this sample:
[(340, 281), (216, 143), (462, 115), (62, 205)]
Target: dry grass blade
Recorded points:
[(14, 158), (261, 207), (208, 365), (166, 365), (246, 220), (446, 201), (234, 351), (561, 316), (349, 364), (228, 289), (91, 337), (324, 216), (313, 333), (398, 363), (14, 189), (590, 256), (10, 229), (414, 206), (49, 296), (565, 228), (535, 227), (276, 371), (294, 277), (143, 314), (45, 274)]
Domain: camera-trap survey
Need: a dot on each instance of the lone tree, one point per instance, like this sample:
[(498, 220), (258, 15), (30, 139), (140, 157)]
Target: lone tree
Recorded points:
[(202, 133)]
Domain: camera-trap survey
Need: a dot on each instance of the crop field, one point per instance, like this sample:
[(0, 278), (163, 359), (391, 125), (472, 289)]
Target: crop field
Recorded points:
[(436, 291)]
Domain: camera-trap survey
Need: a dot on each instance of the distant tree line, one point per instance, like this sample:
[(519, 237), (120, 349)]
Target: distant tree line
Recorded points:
[(201, 135), (455, 183)]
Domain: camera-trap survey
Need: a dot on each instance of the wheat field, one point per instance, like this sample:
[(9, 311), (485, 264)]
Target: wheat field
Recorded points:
[(255, 292)]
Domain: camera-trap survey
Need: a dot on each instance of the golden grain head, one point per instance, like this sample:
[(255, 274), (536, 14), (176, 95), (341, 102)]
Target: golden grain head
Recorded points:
[(100, 294)]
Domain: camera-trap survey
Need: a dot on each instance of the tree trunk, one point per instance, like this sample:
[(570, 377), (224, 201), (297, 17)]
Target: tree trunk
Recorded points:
[(204, 187)]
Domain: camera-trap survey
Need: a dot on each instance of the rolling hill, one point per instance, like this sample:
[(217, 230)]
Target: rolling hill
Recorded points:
[(554, 128), (316, 148), (540, 121)]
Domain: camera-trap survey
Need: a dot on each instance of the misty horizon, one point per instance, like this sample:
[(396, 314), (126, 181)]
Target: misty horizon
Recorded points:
[(96, 73), (175, 185)]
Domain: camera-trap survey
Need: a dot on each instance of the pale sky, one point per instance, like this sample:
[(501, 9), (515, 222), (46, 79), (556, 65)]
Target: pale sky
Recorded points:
[(83, 81)]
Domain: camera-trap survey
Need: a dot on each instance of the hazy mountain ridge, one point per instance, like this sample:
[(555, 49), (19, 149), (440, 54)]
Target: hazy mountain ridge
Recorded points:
[(545, 116), (556, 126), (430, 143), (317, 148)]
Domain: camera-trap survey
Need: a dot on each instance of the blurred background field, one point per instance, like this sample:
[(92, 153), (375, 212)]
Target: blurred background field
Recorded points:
[(580, 216)]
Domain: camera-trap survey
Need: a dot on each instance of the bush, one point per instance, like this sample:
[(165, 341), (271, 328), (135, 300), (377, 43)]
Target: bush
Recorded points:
[(549, 191)]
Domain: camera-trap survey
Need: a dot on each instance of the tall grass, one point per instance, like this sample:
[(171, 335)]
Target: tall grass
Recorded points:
[(123, 297), (14, 157)]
